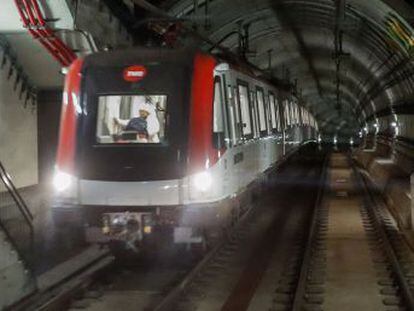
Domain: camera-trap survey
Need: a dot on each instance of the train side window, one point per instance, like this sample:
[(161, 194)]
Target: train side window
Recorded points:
[(228, 131), (261, 112), (305, 117), (218, 116), (236, 116), (295, 117), (302, 119), (230, 114), (245, 113), (296, 114), (255, 115), (287, 115), (289, 112), (268, 114), (273, 116), (286, 112), (278, 116)]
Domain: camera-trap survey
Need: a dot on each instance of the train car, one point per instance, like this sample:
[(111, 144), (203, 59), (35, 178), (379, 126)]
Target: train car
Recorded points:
[(176, 142)]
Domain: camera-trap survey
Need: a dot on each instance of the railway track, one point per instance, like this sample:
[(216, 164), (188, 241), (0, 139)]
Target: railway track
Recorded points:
[(144, 287), (320, 226), (392, 254), (392, 260), (307, 274), (232, 277)]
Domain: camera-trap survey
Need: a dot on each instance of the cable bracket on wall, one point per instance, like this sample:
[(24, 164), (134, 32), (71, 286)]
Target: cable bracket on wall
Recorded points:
[(21, 84)]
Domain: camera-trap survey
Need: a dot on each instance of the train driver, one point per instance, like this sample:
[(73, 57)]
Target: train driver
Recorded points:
[(146, 124)]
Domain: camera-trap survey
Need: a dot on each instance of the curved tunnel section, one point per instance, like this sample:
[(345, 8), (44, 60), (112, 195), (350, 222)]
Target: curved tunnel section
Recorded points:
[(351, 59)]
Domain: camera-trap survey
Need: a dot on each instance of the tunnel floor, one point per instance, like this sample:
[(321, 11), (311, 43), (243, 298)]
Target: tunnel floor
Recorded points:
[(351, 277), (320, 250)]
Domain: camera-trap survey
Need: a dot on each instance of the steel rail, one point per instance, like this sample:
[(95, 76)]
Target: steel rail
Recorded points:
[(369, 203), (300, 291), (168, 302), (58, 295), (174, 295)]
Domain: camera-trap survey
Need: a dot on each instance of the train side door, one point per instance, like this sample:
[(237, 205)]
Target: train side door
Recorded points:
[(283, 123), (221, 133)]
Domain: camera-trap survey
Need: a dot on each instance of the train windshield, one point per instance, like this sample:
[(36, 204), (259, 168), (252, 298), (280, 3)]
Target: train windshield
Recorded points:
[(136, 119)]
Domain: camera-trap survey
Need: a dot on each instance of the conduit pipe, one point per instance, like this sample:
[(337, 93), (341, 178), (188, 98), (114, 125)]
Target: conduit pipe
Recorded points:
[(33, 19)]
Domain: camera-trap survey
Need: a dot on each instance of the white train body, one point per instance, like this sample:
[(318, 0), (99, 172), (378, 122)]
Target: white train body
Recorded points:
[(234, 128)]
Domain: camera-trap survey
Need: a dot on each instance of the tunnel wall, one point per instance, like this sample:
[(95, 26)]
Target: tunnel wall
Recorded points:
[(49, 117), (18, 138), (395, 125), (388, 157)]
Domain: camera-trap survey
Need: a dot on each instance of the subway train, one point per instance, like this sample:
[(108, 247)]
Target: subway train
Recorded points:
[(178, 142)]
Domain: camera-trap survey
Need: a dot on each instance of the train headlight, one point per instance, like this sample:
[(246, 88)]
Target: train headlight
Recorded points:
[(62, 181), (203, 181)]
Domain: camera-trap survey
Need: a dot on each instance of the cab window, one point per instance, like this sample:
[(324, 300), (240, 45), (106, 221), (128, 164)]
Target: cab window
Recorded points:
[(131, 119)]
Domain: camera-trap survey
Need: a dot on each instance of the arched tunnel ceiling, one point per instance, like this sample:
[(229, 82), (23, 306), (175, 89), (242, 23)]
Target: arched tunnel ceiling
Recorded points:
[(375, 66)]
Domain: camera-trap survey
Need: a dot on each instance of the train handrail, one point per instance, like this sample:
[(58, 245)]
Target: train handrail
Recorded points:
[(27, 217), (25, 211)]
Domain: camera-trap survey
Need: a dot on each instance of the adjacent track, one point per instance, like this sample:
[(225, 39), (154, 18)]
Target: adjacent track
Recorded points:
[(391, 258)]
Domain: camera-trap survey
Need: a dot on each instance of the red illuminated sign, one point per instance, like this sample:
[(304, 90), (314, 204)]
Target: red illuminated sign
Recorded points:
[(135, 73)]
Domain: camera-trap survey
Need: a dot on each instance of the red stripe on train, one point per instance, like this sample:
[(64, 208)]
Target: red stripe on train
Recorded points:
[(202, 154), (68, 123)]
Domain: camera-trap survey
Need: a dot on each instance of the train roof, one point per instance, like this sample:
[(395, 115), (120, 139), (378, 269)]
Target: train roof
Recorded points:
[(180, 56), (144, 54)]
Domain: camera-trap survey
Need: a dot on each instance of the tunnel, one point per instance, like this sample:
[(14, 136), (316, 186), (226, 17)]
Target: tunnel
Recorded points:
[(202, 130)]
